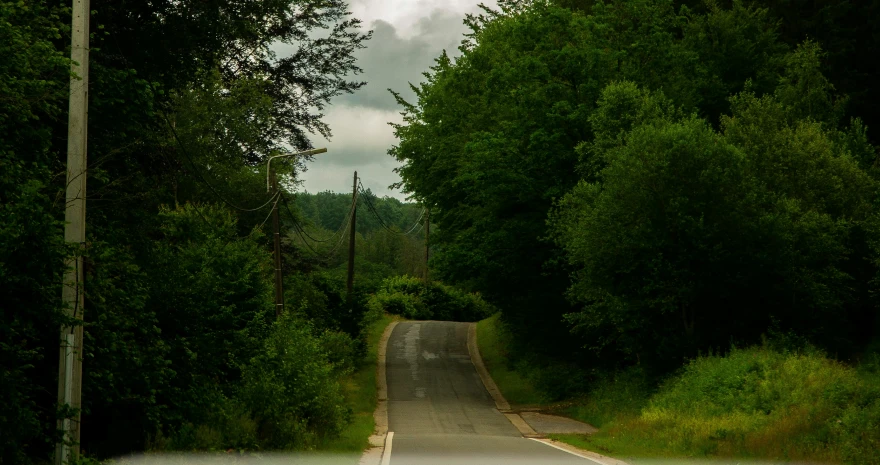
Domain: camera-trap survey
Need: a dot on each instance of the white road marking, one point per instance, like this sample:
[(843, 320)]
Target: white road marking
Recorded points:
[(566, 450), (386, 454)]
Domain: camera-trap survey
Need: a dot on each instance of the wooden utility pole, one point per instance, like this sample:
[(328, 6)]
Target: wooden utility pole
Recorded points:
[(276, 227), (70, 353), (427, 237), (350, 283)]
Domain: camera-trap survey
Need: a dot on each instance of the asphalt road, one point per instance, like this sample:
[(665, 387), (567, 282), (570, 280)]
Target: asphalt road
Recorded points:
[(439, 411)]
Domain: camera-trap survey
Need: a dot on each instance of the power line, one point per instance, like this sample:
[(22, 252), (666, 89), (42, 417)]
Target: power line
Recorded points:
[(342, 236), (375, 212), (276, 197), (372, 208), (295, 222), (300, 231), (418, 222)]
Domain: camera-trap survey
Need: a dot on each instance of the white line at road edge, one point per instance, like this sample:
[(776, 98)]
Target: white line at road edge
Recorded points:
[(563, 450), (386, 454)]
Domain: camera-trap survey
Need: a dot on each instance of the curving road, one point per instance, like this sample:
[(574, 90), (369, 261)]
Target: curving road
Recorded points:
[(439, 411)]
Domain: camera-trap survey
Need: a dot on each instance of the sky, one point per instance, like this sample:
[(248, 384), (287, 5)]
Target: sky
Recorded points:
[(407, 36)]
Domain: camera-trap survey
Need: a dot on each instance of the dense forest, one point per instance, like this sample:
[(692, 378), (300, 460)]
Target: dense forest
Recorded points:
[(182, 350), (632, 183), (638, 182)]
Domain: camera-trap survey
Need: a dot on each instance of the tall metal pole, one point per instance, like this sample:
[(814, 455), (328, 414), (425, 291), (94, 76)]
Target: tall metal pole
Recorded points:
[(70, 353), (272, 186), (350, 283), (279, 290), (427, 237)]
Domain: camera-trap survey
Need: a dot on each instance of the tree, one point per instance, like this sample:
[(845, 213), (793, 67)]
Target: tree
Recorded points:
[(33, 92), (491, 141), (687, 239)]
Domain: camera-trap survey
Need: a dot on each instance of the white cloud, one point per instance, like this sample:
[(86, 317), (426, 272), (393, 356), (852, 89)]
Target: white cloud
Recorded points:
[(409, 35), (361, 139), (405, 15)]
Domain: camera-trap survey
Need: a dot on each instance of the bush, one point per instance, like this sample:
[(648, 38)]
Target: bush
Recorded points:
[(343, 352), (407, 305), (290, 389), (411, 298), (321, 298), (760, 402)]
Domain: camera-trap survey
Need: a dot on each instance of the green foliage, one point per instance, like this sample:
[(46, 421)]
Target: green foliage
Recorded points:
[(666, 198), (411, 298), (707, 190), (290, 389), (34, 77), (398, 302), (289, 397), (515, 382), (683, 227), (761, 402), (177, 299), (203, 267), (493, 138), (127, 361)]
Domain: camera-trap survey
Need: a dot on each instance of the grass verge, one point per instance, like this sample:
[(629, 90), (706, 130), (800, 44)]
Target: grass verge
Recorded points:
[(359, 389), (514, 382), (756, 403)]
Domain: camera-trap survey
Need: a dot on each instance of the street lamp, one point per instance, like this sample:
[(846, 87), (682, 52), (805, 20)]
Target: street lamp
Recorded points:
[(269, 162), (272, 182)]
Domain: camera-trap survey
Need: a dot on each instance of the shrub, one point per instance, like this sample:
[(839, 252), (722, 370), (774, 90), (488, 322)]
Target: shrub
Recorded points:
[(290, 389), (406, 305), (410, 297), (342, 351), (761, 402)]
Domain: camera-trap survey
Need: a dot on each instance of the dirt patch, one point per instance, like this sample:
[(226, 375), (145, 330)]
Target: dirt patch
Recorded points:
[(552, 424)]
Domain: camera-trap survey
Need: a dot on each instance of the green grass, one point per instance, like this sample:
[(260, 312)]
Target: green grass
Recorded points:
[(515, 383), (753, 404), (360, 394)]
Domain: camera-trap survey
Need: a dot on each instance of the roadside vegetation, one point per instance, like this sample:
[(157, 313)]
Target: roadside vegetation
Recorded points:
[(412, 298), (359, 389), (765, 402), (183, 350)]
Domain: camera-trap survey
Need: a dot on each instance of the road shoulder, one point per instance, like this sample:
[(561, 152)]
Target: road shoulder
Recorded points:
[(375, 453), (514, 417)]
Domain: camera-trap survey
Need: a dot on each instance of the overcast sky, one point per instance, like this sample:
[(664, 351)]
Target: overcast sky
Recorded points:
[(407, 36)]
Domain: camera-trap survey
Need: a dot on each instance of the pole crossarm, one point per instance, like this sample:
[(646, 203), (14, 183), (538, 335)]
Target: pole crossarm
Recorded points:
[(305, 154)]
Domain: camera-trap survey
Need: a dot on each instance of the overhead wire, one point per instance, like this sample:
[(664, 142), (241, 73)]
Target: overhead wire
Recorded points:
[(382, 222), (297, 224), (202, 178), (372, 209), (418, 222), (300, 231), (192, 163), (347, 223), (277, 197)]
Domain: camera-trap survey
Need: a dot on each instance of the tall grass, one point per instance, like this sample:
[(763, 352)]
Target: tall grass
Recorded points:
[(754, 402), (758, 402)]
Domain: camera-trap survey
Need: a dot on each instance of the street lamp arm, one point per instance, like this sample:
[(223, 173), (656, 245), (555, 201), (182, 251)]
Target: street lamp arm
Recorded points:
[(269, 162)]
